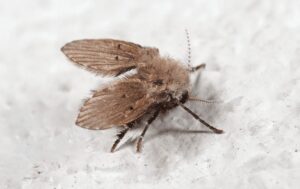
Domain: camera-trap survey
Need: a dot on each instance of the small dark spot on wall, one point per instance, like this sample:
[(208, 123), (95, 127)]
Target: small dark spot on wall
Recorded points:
[(64, 87)]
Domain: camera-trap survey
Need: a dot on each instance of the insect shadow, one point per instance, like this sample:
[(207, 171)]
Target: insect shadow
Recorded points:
[(163, 132)]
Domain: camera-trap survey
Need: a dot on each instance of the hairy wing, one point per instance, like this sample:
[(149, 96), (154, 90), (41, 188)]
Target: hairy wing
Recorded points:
[(106, 56), (115, 105)]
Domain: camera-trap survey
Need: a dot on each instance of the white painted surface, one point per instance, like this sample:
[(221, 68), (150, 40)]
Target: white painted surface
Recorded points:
[(252, 51)]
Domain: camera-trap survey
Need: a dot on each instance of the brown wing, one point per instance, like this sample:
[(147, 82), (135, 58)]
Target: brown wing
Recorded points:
[(106, 56), (116, 105)]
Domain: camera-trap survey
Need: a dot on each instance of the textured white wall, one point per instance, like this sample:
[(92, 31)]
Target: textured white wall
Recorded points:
[(252, 51)]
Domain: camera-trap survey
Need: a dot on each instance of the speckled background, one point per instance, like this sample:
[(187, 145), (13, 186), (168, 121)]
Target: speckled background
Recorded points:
[(252, 52)]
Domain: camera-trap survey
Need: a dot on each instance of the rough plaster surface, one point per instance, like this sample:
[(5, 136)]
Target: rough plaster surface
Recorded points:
[(252, 51)]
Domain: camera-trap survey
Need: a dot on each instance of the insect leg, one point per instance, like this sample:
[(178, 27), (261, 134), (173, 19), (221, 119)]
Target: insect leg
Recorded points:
[(120, 137), (140, 139), (201, 66), (215, 130)]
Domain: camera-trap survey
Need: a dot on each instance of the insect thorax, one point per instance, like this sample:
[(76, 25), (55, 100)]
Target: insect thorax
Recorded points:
[(167, 79)]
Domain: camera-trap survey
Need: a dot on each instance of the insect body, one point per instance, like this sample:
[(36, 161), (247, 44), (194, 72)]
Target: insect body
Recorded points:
[(159, 84)]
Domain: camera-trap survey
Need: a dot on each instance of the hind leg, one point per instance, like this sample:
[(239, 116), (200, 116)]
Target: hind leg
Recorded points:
[(120, 136)]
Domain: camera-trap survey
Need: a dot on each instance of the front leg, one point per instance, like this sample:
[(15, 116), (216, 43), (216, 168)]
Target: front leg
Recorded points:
[(196, 68), (215, 130)]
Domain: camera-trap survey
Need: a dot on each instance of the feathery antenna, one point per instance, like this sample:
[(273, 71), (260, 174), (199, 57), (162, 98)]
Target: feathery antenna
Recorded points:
[(189, 47)]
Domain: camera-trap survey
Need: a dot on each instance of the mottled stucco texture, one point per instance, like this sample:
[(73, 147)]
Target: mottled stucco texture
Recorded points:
[(252, 52)]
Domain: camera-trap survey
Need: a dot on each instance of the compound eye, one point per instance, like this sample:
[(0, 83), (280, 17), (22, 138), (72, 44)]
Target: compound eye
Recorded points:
[(184, 97)]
